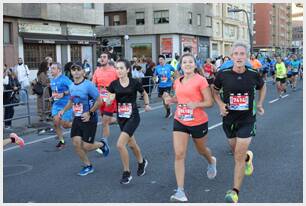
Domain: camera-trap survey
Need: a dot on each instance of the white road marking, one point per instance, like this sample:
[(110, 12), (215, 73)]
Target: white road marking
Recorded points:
[(274, 100), (53, 136)]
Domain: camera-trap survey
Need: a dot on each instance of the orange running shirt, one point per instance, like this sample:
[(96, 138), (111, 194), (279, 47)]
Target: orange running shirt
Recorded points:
[(186, 93), (256, 64), (104, 76)]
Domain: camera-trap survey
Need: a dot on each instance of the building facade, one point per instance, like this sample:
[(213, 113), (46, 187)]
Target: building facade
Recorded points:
[(272, 28), (33, 31), (297, 28), (228, 27), (152, 29)]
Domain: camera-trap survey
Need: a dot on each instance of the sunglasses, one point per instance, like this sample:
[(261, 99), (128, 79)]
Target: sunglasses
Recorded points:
[(76, 68)]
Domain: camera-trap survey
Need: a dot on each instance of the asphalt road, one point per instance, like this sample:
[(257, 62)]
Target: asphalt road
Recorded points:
[(39, 173)]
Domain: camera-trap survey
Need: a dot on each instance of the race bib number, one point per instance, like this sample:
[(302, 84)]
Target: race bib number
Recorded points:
[(104, 94), (124, 110), (184, 113), (77, 109), (239, 102), (164, 79)]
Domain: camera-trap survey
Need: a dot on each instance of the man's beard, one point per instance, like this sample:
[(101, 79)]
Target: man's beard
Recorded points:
[(20, 63)]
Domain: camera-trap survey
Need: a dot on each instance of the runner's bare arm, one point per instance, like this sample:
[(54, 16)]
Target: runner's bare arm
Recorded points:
[(67, 107), (261, 98), (218, 100), (96, 105)]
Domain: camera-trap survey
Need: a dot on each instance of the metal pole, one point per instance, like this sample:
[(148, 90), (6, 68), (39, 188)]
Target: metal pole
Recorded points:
[(250, 31)]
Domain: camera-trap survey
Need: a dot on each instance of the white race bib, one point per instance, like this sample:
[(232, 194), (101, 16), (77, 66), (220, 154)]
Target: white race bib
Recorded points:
[(184, 113), (239, 102), (124, 110), (77, 109)]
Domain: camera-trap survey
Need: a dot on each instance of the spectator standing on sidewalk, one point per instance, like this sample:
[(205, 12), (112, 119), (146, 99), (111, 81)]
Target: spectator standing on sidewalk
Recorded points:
[(10, 82), (43, 103), (147, 82), (22, 72)]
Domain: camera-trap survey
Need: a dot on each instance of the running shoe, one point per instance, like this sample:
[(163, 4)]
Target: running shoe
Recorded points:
[(231, 196), (212, 169), (141, 171), (126, 178), (18, 140), (86, 170), (249, 164), (60, 145), (105, 148), (178, 196)]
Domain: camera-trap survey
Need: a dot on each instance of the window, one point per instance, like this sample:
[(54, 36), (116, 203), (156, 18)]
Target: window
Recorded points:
[(35, 53), (190, 18), (218, 28), (140, 18), (106, 20), (161, 17), (76, 53), (208, 21), (89, 6), (199, 19), (116, 20), (6, 33)]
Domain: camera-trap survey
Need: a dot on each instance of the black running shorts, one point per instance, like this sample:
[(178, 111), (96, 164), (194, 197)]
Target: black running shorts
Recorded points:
[(162, 90), (281, 80), (86, 130), (129, 125), (240, 130), (198, 131)]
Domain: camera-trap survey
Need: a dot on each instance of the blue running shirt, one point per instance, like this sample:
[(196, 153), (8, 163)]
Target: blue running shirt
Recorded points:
[(83, 97), (60, 85), (164, 75)]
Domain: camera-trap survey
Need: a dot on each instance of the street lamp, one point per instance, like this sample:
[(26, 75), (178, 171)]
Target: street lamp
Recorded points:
[(249, 27)]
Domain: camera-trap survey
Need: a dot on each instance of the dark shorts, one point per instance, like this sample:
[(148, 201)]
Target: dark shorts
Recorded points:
[(162, 90), (295, 73), (86, 130), (240, 130), (198, 131), (129, 125), (281, 80), (272, 72)]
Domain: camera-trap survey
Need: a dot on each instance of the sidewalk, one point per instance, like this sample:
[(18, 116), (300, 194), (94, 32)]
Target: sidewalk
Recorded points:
[(22, 128)]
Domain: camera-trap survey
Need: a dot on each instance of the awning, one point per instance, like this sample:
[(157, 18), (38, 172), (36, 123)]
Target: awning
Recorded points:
[(57, 39)]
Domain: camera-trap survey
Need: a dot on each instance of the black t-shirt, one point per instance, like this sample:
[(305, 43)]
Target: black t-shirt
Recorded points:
[(126, 95), (239, 93)]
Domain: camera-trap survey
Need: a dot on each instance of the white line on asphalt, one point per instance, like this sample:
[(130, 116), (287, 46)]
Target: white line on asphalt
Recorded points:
[(274, 100), (53, 136)]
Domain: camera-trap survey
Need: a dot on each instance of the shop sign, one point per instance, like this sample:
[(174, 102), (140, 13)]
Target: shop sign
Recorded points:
[(78, 30), (39, 27), (190, 42), (166, 47)]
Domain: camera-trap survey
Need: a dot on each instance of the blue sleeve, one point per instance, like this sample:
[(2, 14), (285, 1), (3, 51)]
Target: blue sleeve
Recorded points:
[(92, 91)]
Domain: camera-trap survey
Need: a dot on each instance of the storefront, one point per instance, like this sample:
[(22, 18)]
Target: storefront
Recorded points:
[(40, 39), (141, 46)]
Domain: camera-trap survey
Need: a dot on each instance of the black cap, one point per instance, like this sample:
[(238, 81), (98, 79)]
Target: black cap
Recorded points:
[(77, 64)]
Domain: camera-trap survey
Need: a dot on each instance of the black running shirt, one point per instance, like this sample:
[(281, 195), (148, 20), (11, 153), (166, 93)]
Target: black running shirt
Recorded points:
[(126, 95), (239, 91)]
